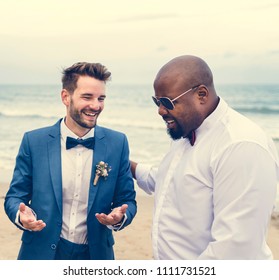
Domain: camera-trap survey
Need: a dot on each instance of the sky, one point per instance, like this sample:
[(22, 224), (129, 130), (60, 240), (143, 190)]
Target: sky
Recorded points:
[(238, 39)]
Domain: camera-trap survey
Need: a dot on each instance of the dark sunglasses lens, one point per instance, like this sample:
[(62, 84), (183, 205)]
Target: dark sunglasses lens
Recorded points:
[(166, 103), (156, 101)]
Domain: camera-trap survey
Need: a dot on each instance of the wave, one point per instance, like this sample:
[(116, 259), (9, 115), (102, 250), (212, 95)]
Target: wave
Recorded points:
[(132, 124), (120, 122), (258, 110), (31, 116), (254, 110)]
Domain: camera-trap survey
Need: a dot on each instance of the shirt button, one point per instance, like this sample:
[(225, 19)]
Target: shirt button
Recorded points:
[(53, 246)]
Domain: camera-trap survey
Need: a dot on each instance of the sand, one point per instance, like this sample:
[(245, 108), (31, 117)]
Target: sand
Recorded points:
[(132, 243)]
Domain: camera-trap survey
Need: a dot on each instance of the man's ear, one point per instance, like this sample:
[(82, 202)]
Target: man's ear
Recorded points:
[(202, 94), (65, 97)]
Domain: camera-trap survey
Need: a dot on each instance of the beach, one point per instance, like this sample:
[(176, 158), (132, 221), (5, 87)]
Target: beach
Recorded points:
[(132, 243), (134, 114)]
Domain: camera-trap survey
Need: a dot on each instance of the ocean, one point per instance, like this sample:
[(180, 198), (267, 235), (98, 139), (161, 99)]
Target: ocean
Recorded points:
[(128, 108)]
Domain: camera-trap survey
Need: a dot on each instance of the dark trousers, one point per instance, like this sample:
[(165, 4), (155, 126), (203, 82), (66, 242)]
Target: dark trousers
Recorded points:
[(67, 250)]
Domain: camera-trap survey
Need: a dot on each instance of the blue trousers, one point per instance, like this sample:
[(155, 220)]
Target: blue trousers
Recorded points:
[(67, 250)]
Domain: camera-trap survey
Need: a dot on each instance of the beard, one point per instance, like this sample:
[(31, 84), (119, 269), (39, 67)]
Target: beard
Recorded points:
[(77, 117), (183, 129), (175, 134)]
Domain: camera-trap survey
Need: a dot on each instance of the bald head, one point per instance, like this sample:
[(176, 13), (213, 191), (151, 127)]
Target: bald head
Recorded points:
[(188, 70), (181, 75)]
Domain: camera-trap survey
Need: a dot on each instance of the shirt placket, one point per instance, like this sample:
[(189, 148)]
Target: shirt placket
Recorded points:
[(77, 188), (161, 194)]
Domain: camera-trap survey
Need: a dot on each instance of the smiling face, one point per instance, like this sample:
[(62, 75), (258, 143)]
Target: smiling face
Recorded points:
[(185, 117), (173, 79), (84, 105)]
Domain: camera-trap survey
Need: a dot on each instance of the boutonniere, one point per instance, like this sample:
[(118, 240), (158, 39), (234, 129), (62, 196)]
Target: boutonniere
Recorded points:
[(102, 171)]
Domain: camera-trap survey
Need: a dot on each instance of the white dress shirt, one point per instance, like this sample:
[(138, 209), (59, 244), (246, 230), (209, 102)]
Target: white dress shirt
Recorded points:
[(76, 175), (213, 200)]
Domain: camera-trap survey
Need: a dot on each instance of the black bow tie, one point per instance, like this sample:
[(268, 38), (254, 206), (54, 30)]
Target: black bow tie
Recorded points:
[(192, 137), (72, 142)]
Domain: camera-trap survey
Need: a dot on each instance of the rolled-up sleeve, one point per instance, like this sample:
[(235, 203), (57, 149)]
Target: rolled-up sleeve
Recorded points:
[(146, 177)]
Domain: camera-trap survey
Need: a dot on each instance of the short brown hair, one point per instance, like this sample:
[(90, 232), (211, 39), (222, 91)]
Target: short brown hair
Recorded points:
[(72, 73)]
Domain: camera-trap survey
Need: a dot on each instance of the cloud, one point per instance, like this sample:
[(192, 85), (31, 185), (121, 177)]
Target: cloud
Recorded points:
[(269, 6), (273, 52), (161, 49), (229, 55), (147, 17), (261, 7)]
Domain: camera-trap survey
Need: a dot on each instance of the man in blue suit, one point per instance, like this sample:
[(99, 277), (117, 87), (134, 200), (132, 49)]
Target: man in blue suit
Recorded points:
[(72, 183)]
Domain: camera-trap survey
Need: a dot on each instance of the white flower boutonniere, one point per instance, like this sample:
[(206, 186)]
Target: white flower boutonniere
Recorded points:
[(102, 171)]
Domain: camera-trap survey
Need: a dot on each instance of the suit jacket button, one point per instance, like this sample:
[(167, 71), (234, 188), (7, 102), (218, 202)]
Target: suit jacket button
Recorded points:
[(53, 246)]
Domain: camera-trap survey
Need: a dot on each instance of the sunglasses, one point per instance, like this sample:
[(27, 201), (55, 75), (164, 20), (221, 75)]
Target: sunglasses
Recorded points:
[(168, 103)]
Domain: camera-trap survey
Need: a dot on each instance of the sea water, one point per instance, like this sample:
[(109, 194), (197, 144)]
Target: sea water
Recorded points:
[(128, 108)]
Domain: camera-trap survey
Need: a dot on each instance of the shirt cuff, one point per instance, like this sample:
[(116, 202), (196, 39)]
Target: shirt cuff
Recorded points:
[(19, 224), (145, 175), (119, 225)]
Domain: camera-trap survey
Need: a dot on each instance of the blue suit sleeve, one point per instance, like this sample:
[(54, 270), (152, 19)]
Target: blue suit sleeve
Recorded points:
[(21, 185), (125, 193)]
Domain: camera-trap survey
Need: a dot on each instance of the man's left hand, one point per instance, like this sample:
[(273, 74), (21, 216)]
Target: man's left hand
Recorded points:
[(114, 217)]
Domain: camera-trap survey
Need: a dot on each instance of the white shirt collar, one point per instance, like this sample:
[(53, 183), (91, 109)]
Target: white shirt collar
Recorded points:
[(212, 119), (65, 132)]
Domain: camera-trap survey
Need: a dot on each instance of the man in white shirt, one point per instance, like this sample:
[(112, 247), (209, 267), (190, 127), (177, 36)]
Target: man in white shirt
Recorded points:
[(72, 183), (216, 187)]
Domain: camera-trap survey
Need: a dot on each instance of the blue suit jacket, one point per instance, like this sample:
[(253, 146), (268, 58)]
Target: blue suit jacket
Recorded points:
[(37, 181)]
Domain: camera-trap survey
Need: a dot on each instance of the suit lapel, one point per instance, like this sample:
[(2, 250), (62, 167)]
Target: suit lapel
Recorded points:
[(100, 150), (54, 153)]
